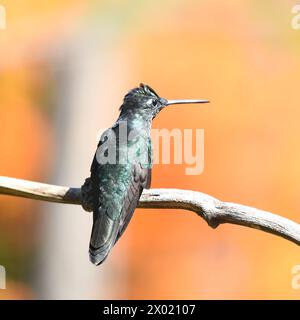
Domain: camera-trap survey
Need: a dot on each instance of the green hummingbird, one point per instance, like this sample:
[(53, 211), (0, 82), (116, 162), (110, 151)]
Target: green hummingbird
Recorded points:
[(122, 166)]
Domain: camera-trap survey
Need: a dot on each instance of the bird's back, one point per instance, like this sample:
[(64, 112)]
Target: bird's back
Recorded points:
[(118, 176)]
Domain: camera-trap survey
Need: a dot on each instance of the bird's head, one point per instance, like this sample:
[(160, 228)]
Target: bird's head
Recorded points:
[(145, 100)]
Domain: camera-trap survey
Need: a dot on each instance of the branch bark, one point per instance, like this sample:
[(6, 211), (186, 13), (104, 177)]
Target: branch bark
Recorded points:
[(212, 210)]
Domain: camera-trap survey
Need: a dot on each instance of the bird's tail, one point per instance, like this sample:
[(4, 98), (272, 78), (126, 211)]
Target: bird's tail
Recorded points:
[(104, 235)]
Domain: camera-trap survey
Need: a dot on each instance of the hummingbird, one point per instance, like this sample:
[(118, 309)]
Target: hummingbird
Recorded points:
[(121, 168)]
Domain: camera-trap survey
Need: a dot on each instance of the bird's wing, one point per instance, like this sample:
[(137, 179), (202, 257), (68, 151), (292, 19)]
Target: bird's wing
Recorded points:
[(116, 192), (141, 179)]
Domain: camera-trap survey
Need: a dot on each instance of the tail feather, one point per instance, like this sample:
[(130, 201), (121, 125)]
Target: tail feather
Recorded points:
[(104, 234)]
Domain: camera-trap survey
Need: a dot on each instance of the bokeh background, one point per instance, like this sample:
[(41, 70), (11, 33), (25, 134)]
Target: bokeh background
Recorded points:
[(64, 68)]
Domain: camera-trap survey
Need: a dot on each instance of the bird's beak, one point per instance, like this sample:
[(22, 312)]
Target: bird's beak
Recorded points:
[(169, 102)]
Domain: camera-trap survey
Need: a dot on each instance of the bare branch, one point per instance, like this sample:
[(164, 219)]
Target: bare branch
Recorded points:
[(212, 210), (39, 191)]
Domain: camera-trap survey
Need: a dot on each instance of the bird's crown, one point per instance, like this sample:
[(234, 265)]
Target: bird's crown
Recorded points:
[(142, 90)]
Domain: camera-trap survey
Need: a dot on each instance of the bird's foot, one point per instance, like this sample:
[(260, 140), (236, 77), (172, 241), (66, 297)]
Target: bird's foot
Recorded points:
[(86, 195)]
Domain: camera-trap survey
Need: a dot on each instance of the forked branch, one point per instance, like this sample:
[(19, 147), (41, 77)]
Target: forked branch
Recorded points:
[(212, 210)]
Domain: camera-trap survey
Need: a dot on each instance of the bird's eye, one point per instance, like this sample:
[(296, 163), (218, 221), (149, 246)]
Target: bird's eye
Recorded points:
[(154, 102)]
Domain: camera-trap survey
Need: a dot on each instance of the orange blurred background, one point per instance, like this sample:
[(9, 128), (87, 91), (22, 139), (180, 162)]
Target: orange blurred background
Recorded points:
[(64, 68)]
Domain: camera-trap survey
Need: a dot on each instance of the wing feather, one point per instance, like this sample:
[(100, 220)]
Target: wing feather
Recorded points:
[(116, 191)]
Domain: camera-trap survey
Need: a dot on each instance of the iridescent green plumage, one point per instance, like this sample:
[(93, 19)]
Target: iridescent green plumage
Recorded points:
[(121, 168), (117, 185)]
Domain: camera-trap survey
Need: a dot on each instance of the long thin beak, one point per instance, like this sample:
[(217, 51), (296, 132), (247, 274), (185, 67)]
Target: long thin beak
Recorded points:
[(169, 102)]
